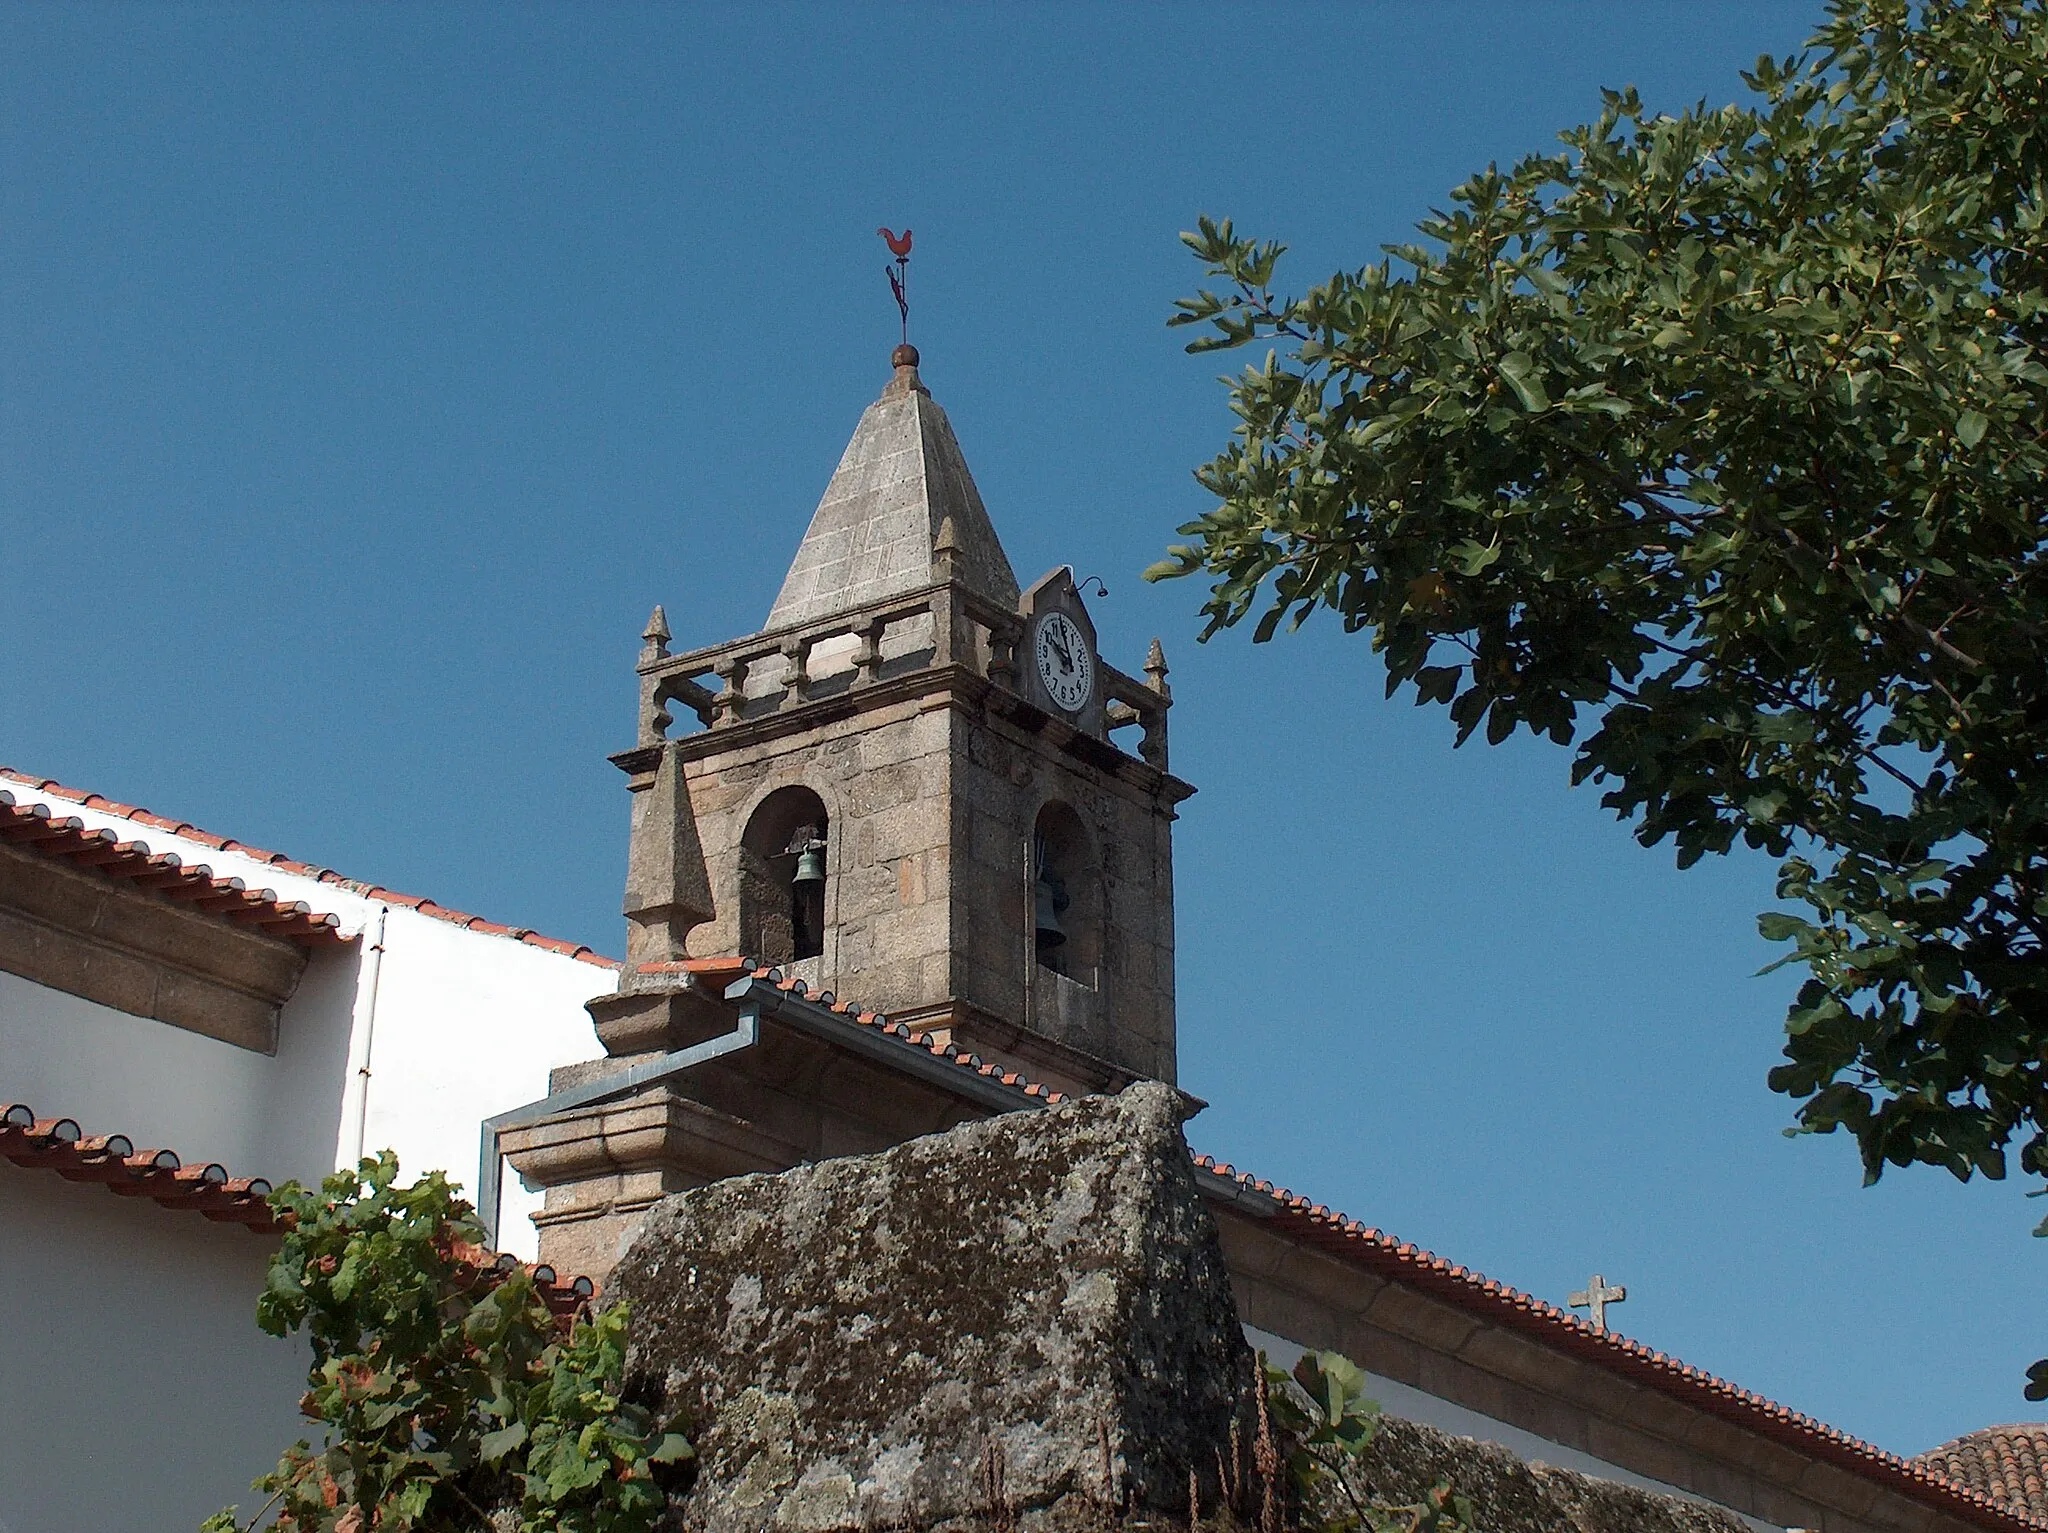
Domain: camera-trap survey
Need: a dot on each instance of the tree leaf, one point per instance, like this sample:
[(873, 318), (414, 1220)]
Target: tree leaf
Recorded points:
[(1518, 369), (495, 1445)]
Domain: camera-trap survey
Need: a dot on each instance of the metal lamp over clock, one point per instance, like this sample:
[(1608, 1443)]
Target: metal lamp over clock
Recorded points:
[(1065, 667)]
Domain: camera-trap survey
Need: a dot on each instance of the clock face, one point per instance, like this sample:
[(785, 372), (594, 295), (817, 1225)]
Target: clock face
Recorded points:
[(1064, 664)]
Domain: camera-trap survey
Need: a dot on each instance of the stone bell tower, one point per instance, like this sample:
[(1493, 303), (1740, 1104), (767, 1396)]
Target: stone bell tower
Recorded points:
[(911, 787)]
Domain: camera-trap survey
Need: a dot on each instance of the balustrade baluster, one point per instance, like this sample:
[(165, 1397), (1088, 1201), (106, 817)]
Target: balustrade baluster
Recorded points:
[(867, 659), (732, 672), (796, 658), (946, 625), (1002, 657), (654, 715)]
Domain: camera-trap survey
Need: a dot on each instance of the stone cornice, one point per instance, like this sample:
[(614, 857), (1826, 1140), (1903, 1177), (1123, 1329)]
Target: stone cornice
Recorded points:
[(119, 947)]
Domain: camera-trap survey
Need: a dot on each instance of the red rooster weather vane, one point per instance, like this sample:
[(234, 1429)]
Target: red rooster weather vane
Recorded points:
[(899, 274)]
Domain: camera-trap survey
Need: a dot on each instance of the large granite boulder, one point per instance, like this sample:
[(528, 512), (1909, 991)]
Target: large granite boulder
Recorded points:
[(1025, 1320), (1406, 1460)]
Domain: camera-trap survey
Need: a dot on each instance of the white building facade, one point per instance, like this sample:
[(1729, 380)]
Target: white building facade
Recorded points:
[(320, 1019)]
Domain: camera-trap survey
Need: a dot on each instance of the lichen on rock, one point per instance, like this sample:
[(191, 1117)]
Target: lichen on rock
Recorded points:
[(1406, 1459), (1011, 1319)]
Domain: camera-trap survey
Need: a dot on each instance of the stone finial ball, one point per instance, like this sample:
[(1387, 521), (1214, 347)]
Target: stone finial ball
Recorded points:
[(903, 356)]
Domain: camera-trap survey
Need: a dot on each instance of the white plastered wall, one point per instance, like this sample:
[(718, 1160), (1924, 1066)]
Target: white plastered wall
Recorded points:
[(466, 1024), (267, 1115), (135, 1389), (464, 1032)]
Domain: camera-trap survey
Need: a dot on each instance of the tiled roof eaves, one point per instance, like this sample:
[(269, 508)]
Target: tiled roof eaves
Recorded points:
[(68, 839), (718, 972), (59, 1145), (1416, 1268), (187, 831)]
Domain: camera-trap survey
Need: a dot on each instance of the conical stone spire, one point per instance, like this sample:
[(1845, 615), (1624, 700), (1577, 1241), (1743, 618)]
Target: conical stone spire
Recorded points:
[(876, 531)]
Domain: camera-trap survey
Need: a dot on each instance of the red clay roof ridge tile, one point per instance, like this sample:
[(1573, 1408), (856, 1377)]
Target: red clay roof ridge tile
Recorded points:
[(186, 830), (928, 1042)]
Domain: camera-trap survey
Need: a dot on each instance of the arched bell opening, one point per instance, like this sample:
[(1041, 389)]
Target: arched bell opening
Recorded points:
[(1066, 895), (782, 872)]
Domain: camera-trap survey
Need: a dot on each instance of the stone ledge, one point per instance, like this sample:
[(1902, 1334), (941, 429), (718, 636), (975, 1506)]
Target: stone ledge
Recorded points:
[(658, 1130), (122, 948)]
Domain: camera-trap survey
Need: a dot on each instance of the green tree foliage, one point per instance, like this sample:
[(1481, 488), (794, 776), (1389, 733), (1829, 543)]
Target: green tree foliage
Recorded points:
[(448, 1388), (1713, 447)]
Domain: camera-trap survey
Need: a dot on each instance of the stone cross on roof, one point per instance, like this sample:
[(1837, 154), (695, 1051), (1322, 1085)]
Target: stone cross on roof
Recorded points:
[(876, 531), (1596, 1296)]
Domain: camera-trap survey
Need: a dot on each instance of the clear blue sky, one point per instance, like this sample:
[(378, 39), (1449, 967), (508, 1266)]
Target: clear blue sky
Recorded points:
[(366, 374)]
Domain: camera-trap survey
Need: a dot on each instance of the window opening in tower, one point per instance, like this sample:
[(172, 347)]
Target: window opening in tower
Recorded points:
[(1049, 901)]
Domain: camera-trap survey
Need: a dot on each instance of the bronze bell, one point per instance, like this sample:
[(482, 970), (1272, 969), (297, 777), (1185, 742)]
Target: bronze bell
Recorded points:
[(1049, 898), (810, 864)]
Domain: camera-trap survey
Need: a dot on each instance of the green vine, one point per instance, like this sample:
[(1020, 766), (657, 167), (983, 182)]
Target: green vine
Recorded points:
[(449, 1390), (1327, 1424)]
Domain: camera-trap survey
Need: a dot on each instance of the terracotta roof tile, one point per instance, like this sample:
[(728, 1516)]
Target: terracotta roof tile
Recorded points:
[(926, 1042), (66, 838), (565, 1299), (1386, 1257), (2009, 1464), (185, 830), (59, 1145)]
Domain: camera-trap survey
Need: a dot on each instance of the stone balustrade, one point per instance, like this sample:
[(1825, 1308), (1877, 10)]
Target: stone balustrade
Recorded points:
[(940, 624), (1128, 701)]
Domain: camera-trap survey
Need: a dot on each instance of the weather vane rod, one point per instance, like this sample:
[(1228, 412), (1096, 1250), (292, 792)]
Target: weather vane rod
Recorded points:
[(899, 274)]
